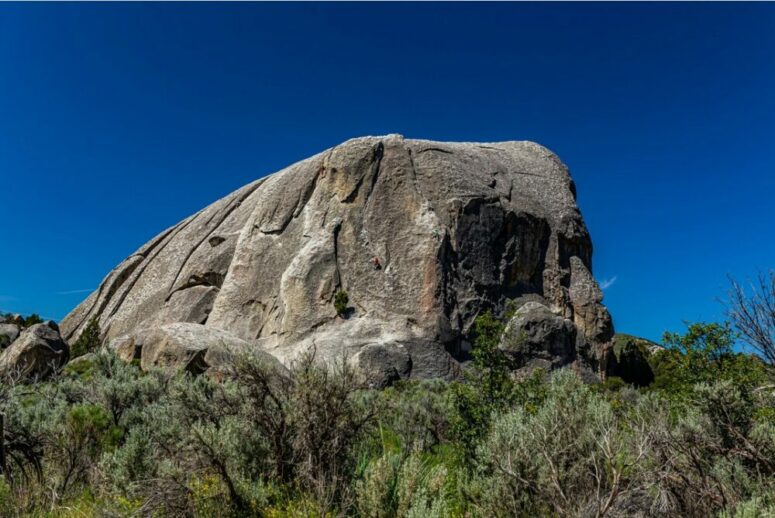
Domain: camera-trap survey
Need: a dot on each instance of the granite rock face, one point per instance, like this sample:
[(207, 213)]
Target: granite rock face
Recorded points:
[(36, 353), (423, 236), (184, 346)]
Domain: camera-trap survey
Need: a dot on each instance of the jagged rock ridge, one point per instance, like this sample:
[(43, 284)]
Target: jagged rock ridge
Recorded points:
[(423, 236)]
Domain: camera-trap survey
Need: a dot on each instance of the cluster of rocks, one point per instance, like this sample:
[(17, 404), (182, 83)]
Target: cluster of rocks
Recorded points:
[(535, 337), (422, 236)]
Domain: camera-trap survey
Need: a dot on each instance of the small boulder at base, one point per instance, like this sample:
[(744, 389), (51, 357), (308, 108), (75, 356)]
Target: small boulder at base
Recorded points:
[(186, 346), (36, 353), (8, 333), (380, 365), (536, 337)]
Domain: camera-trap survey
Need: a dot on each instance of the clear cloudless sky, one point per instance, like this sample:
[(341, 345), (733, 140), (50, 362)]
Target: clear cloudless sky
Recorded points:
[(118, 120)]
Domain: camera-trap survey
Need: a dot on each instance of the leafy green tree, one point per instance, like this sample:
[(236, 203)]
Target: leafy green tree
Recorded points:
[(704, 354), (488, 385)]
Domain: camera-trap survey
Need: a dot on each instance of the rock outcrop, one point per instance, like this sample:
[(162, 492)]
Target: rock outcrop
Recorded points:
[(8, 333), (185, 346), (423, 236), (35, 354), (536, 337)]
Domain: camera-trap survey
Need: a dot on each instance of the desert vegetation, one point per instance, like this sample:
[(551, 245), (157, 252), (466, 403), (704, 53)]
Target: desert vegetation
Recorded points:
[(696, 438)]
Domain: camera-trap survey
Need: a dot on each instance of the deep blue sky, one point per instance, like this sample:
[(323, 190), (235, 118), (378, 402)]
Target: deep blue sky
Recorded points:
[(118, 120)]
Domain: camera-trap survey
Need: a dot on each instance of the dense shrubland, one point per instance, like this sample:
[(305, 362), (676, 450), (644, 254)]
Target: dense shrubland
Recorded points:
[(105, 439)]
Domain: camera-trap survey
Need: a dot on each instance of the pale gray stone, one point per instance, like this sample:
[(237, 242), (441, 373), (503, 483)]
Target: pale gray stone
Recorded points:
[(35, 354), (185, 346), (8, 333), (423, 236)]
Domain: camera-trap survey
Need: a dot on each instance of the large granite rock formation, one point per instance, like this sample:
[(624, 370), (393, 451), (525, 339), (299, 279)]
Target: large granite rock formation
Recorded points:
[(423, 236)]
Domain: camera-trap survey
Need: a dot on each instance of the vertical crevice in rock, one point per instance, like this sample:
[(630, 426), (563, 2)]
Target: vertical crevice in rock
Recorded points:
[(379, 151), (338, 284), (376, 159), (224, 215), (523, 244), (449, 279), (415, 179), (145, 263)]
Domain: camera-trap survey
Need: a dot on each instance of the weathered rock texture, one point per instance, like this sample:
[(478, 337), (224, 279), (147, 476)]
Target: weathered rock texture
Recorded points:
[(36, 353), (535, 335), (185, 346), (422, 235), (8, 333)]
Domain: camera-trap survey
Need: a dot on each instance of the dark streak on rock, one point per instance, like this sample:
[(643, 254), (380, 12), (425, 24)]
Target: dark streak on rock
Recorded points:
[(337, 273), (145, 263), (437, 149), (225, 214), (302, 201), (376, 159)]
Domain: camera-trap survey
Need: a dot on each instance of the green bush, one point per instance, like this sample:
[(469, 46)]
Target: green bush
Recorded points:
[(111, 440), (704, 354), (341, 299)]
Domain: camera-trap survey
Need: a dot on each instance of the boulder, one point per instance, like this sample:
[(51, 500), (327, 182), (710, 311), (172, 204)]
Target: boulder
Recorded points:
[(185, 346), (538, 337), (422, 236), (630, 359), (379, 365), (8, 333), (35, 354)]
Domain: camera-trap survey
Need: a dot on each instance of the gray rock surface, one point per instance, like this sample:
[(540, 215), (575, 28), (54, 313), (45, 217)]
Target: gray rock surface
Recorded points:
[(535, 334), (185, 346), (37, 353), (423, 236), (8, 333), (381, 364)]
